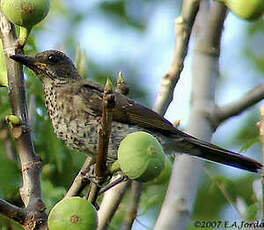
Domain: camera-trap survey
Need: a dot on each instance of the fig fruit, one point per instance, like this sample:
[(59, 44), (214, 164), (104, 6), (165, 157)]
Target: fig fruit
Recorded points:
[(25, 13), (141, 156), (164, 175), (245, 9), (73, 213)]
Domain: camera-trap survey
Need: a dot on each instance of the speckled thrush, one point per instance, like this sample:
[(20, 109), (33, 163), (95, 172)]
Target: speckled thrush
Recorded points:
[(74, 105)]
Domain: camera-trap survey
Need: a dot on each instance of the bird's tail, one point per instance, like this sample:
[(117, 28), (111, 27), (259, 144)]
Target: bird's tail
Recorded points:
[(214, 153)]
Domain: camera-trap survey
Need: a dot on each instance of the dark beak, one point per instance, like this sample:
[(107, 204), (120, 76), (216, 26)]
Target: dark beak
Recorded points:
[(25, 60)]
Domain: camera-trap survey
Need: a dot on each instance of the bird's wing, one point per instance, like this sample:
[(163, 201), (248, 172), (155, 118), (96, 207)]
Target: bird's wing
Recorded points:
[(126, 110), (131, 112)]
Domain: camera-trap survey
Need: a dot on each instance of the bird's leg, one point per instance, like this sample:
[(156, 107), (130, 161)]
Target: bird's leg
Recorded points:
[(120, 179)]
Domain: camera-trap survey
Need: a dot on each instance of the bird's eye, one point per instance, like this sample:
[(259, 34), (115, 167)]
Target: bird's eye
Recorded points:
[(52, 58)]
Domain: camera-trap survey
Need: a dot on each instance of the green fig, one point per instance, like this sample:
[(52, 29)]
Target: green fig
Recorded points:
[(141, 156), (245, 9), (164, 175), (73, 213), (25, 13)]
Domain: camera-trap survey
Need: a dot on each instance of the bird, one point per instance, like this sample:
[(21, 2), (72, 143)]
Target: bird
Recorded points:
[(74, 106)]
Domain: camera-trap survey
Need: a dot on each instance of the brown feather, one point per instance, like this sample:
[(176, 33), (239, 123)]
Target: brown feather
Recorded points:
[(126, 110)]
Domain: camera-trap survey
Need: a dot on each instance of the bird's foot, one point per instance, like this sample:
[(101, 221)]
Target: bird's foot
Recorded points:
[(120, 179)]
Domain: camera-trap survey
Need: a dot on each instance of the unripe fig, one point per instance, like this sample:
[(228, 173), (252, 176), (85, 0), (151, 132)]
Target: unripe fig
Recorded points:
[(245, 9), (141, 156), (73, 213), (164, 175), (25, 13)]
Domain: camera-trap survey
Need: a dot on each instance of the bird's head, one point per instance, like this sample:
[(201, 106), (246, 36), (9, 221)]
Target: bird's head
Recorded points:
[(51, 65)]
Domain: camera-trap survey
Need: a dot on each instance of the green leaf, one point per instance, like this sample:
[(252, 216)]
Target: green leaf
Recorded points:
[(251, 212)]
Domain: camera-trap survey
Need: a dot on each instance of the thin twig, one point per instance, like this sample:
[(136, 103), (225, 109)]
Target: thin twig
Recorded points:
[(131, 212), (121, 86), (93, 193), (223, 191), (110, 203), (30, 163), (183, 28), (108, 104), (252, 97), (113, 197), (105, 129), (81, 180)]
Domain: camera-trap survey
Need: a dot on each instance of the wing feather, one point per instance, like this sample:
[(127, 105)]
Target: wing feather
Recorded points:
[(126, 110)]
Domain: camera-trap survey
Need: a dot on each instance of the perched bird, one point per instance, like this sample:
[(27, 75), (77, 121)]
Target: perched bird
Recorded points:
[(74, 106)]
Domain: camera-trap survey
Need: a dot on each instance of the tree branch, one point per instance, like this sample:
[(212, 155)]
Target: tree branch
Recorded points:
[(121, 86), (177, 206), (81, 180), (222, 189), (108, 104), (220, 114), (13, 212), (31, 166), (110, 203), (183, 28), (105, 130), (131, 212), (113, 197)]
